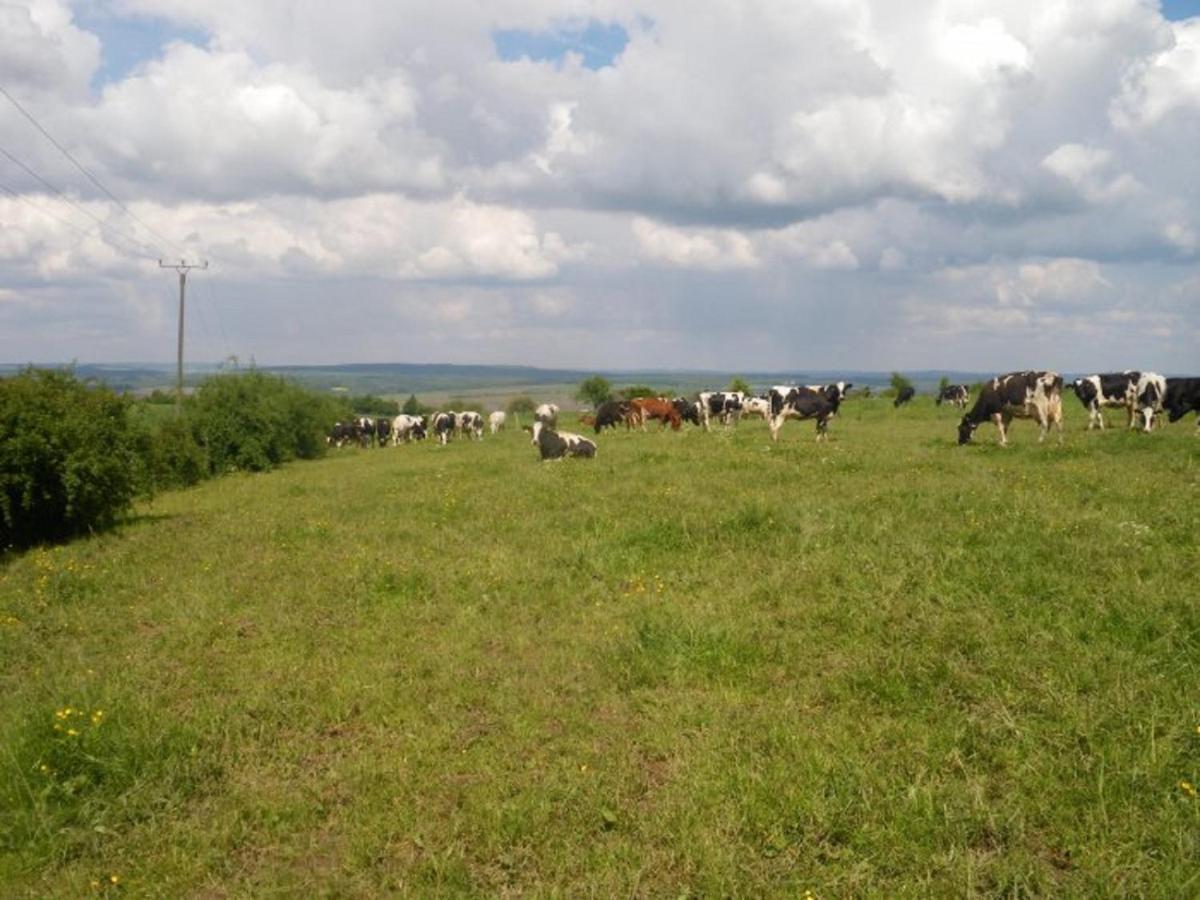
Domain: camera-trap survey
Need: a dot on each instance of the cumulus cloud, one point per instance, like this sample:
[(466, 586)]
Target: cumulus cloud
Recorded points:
[(943, 167)]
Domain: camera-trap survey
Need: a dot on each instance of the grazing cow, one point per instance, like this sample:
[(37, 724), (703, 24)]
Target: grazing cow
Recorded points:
[(659, 408), (958, 394), (366, 430), (407, 428), (689, 411), (383, 431), (444, 425), (1182, 397), (470, 423), (1108, 389), (1148, 398), (587, 419), (343, 433), (496, 421), (757, 406), (835, 393), (800, 403), (553, 444), (905, 394), (723, 405), (610, 413), (547, 414), (1024, 395)]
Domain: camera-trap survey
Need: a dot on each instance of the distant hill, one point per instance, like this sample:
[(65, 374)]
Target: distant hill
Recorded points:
[(446, 379)]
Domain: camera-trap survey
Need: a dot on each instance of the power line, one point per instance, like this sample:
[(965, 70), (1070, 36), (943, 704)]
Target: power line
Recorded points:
[(141, 247), (92, 178), (23, 199)]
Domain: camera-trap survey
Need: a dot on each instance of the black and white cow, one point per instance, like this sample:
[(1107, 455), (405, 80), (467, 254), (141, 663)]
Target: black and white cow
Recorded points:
[(407, 428), (800, 403), (470, 423), (757, 406), (723, 405), (835, 393), (547, 414), (343, 433), (1148, 398), (444, 424), (383, 431), (553, 444), (905, 394), (1182, 397), (689, 411), (1023, 395), (366, 430), (1106, 389), (958, 394)]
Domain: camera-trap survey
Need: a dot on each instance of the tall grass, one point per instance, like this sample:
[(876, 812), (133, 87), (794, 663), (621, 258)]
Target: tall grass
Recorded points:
[(698, 665)]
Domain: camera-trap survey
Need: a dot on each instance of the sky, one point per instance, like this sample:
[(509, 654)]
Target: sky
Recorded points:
[(604, 184)]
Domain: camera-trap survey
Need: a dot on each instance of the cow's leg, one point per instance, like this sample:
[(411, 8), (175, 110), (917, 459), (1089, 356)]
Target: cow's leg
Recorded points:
[(998, 419), (776, 422)]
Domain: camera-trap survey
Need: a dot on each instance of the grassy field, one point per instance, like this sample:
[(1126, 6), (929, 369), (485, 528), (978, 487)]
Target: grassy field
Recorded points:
[(701, 665)]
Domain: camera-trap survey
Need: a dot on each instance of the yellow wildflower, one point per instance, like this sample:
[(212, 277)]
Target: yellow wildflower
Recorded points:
[(1188, 788), (72, 732), (114, 878), (97, 716)]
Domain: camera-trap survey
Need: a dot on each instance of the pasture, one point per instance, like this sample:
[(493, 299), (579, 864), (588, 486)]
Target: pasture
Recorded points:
[(699, 665)]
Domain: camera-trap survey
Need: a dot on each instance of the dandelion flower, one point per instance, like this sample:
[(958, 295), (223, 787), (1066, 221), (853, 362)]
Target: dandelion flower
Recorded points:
[(72, 732), (1188, 788)]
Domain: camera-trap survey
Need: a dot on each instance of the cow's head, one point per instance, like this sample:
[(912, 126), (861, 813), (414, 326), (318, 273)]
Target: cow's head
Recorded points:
[(965, 429)]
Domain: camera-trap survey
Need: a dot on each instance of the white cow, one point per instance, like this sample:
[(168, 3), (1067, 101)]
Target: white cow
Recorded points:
[(496, 421)]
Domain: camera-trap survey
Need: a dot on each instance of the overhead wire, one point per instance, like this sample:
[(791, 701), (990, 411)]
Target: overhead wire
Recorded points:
[(140, 245), (21, 198), (92, 178)]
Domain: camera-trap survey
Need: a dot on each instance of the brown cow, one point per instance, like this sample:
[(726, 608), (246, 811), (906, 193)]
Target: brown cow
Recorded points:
[(659, 408)]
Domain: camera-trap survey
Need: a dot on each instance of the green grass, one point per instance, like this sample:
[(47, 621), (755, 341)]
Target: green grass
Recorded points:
[(698, 665)]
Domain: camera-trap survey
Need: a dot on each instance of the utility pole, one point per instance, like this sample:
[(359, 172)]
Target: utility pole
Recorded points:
[(182, 268)]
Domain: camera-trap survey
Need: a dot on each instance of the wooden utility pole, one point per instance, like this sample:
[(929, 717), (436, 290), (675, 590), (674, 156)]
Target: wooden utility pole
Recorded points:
[(182, 268)]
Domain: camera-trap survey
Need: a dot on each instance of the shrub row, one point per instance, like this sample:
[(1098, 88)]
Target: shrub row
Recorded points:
[(73, 456)]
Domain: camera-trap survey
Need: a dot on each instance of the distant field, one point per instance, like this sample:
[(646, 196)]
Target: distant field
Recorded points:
[(700, 665)]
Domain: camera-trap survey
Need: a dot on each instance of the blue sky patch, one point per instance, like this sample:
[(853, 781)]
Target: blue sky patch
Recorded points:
[(598, 43), (126, 41), (1180, 9)]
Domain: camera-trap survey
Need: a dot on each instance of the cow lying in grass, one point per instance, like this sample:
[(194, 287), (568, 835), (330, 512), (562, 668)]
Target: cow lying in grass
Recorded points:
[(553, 444)]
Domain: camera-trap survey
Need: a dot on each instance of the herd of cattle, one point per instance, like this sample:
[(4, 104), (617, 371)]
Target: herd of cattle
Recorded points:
[(1029, 394)]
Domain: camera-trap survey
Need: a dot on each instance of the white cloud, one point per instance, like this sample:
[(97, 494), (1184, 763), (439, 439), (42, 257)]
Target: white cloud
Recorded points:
[(975, 164), (1163, 84), (702, 249)]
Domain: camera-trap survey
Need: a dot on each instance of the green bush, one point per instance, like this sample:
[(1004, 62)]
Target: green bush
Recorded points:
[(253, 421), (170, 457), (521, 405), (634, 391), (68, 457)]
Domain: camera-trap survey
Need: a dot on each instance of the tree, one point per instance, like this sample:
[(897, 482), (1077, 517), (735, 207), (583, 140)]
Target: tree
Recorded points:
[(637, 390), (899, 382), (943, 383), (414, 407), (738, 383), (594, 391), (521, 405)]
